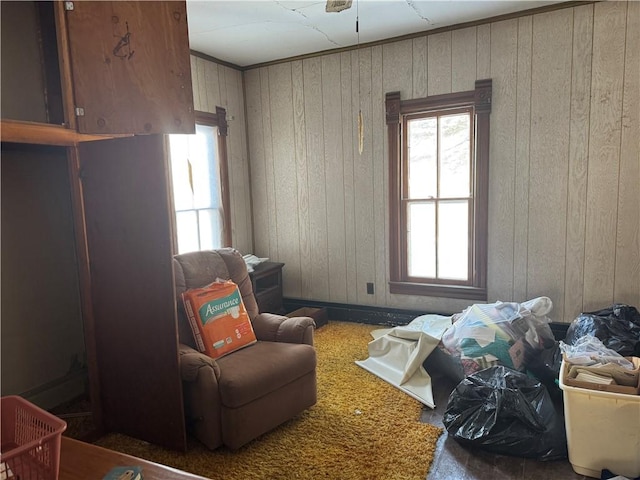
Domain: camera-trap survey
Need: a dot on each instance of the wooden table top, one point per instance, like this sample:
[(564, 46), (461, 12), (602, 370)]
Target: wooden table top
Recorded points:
[(84, 461)]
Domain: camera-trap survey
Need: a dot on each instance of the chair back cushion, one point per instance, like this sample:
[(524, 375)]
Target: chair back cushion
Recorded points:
[(197, 269)]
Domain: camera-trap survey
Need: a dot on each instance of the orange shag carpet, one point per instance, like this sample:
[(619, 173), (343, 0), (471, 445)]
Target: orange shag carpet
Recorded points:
[(362, 428)]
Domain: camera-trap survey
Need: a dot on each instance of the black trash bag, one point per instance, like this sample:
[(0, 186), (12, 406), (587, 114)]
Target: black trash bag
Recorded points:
[(617, 326), (545, 366), (503, 411)]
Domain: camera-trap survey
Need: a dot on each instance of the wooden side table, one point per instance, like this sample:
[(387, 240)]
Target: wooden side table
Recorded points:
[(266, 279), (84, 461)]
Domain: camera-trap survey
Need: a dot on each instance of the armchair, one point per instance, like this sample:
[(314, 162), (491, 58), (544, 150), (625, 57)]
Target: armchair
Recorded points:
[(236, 398)]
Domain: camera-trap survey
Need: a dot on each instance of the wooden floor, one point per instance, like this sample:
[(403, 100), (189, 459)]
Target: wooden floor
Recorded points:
[(454, 462)]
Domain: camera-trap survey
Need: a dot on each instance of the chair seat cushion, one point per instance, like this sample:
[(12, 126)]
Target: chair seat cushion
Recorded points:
[(261, 368)]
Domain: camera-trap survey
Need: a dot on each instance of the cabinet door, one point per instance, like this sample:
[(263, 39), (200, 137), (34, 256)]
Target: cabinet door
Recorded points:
[(129, 238), (131, 67)]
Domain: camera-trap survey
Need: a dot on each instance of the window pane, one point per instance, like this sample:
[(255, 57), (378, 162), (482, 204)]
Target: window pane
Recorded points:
[(210, 229), (423, 155), (202, 153), (455, 175), (199, 153), (196, 188), (421, 234), (182, 194), (453, 240), (187, 231)]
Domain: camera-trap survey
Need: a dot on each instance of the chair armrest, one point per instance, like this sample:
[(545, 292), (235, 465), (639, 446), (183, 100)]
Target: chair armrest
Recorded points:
[(277, 328), (191, 361)]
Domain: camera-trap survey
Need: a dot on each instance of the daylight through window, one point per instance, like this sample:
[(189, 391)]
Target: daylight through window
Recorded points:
[(438, 152), (199, 180)]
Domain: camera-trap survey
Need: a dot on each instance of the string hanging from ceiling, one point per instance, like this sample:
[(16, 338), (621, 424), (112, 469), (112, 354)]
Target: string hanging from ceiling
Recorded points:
[(360, 120)]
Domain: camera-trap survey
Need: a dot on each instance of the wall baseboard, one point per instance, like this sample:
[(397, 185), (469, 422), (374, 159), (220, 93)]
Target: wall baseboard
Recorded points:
[(389, 317), (58, 391)]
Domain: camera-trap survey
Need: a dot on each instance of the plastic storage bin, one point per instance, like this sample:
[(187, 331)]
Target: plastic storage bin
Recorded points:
[(603, 430), (29, 442)]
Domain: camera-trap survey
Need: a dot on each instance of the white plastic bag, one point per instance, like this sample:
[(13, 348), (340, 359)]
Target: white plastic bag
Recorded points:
[(589, 350), (501, 333)]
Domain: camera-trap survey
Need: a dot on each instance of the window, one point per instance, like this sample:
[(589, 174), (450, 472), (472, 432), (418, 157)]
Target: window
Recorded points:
[(200, 185), (438, 184)]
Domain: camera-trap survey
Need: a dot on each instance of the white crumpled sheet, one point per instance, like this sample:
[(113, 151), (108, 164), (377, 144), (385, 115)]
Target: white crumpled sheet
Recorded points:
[(396, 355)]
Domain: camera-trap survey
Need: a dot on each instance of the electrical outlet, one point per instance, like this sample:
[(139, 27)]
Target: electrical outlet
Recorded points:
[(370, 288)]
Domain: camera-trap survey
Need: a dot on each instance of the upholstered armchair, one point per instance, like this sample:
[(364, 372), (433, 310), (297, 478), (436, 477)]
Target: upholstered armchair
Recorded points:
[(238, 397)]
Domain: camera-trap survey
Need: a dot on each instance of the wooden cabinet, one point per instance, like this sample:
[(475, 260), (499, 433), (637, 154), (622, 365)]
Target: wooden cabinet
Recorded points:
[(266, 279), (131, 69), (98, 67), (127, 65)]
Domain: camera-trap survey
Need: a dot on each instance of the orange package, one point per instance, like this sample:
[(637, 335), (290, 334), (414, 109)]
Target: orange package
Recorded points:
[(218, 319)]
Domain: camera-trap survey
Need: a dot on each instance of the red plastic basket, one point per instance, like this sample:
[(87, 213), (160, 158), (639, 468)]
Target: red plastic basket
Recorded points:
[(30, 441)]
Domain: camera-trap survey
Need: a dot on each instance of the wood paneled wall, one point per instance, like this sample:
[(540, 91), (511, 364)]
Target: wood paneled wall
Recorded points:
[(564, 207), (218, 85)]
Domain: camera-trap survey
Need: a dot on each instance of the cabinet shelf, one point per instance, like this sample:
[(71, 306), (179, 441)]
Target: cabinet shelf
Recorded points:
[(18, 131), (267, 290)]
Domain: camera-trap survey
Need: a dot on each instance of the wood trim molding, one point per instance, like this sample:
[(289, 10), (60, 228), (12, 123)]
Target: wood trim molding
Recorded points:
[(223, 126), (424, 33), (481, 215), (84, 274), (209, 58), (392, 105), (64, 62), (381, 315), (478, 103)]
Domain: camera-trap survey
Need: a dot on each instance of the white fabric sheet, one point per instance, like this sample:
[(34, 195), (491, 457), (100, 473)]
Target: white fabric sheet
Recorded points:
[(396, 355)]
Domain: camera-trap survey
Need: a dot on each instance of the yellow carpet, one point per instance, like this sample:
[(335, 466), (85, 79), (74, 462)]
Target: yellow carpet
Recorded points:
[(362, 428)]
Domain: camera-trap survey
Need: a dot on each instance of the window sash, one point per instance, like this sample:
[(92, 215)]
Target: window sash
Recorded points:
[(438, 278), (407, 200)]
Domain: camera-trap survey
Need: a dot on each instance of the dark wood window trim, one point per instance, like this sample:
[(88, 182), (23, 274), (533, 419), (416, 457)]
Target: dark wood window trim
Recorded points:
[(479, 100), (219, 119)]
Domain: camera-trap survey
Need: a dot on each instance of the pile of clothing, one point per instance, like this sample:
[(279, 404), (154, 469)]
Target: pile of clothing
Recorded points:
[(501, 333)]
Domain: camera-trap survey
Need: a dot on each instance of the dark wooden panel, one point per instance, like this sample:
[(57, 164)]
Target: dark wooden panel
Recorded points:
[(267, 286), (129, 240), (41, 342), (23, 89), (131, 67)]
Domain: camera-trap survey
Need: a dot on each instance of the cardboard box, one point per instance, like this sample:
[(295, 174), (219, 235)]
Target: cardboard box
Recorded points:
[(319, 315), (635, 390)]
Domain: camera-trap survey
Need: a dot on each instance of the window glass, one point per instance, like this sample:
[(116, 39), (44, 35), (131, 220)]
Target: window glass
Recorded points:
[(453, 240), (186, 225), (454, 158), (197, 179), (421, 251), (422, 149)]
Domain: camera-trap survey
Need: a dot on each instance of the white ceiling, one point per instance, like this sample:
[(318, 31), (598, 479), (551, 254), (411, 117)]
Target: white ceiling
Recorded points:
[(248, 32)]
